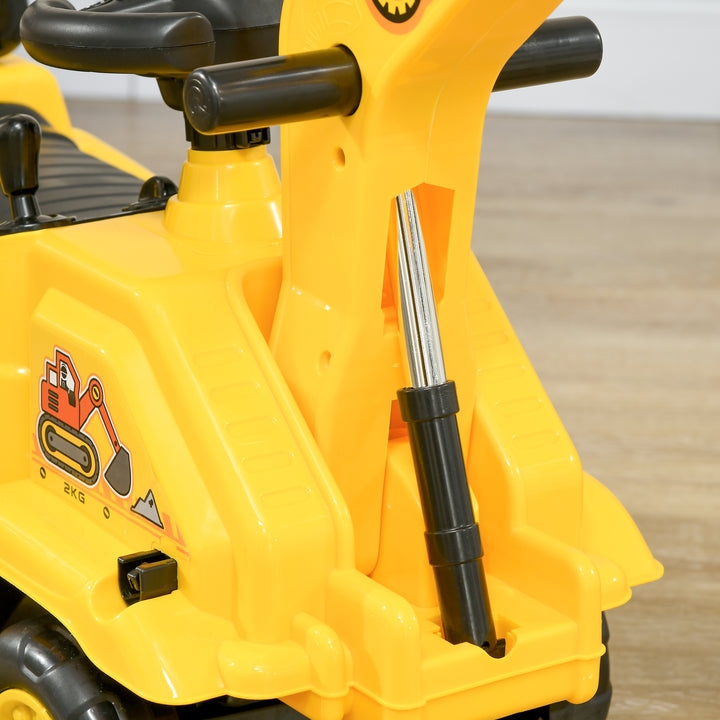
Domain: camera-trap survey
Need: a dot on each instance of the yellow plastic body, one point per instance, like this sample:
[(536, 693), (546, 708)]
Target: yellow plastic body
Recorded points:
[(250, 369)]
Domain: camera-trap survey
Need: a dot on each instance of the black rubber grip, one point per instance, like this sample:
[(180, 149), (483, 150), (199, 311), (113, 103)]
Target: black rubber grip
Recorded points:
[(147, 43), (560, 49), (271, 91)]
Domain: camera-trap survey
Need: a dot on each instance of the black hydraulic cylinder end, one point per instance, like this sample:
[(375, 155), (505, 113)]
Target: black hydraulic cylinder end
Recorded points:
[(452, 535), (270, 91), (560, 49)]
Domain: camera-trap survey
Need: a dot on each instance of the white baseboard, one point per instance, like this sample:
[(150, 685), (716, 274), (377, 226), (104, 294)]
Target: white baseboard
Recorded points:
[(661, 60)]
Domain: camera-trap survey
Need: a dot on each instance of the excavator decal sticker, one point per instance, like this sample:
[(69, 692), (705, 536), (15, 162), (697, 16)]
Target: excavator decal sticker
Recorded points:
[(398, 16), (65, 410)]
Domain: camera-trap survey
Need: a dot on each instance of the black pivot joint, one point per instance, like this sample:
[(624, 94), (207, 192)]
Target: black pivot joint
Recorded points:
[(240, 140)]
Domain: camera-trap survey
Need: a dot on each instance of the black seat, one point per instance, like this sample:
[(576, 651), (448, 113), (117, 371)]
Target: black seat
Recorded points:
[(73, 183)]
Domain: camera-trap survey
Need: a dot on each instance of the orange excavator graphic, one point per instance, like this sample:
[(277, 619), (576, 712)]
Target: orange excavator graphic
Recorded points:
[(65, 412)]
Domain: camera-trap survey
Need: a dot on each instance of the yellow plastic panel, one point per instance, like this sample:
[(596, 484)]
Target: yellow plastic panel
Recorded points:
[(622, 557), (14, 371), (227, 200), (553, 564), (419, 124), (403, 668), (196, 398), (26, 83), (402, 562), (523, 467)]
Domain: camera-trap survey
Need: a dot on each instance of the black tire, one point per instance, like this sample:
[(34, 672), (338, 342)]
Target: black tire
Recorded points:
[(10, 598), (39, 657)]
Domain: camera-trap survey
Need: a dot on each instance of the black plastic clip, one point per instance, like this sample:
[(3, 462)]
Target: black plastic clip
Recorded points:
[(154, 194), (146, 575)]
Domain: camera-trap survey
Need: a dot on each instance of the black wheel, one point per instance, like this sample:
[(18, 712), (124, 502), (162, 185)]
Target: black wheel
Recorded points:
[(45, 676), (10, 598)]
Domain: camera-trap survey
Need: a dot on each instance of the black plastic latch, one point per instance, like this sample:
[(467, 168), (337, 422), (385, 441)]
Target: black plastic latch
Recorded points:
[(154, 194), (146, 575)]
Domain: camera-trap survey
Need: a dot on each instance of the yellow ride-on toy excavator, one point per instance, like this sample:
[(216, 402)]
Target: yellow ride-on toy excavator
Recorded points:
[(253, 431)]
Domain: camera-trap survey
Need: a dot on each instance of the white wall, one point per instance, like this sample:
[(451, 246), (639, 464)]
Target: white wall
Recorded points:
[(662, 59)]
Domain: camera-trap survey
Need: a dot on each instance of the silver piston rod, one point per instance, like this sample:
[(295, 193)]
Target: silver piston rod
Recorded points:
[(422, 331), (429, 408)]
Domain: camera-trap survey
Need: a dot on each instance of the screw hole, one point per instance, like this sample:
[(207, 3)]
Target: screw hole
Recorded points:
[(324, 362)]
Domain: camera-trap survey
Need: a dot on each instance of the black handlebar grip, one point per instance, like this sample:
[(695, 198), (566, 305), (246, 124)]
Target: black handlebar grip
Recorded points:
[(10, 13), (271, 91), (560, 49), (147, 43)]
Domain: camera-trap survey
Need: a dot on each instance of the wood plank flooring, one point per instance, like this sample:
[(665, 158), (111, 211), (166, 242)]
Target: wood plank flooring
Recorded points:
[(602, 240)]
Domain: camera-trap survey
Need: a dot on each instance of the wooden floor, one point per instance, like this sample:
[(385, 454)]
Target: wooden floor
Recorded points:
[(602, 240)]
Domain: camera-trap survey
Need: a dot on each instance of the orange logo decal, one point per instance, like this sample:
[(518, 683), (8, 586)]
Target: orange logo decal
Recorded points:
[(398, 16)]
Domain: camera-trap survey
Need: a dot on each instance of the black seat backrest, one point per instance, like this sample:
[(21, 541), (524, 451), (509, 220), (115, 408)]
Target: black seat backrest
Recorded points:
[(156, 38)]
